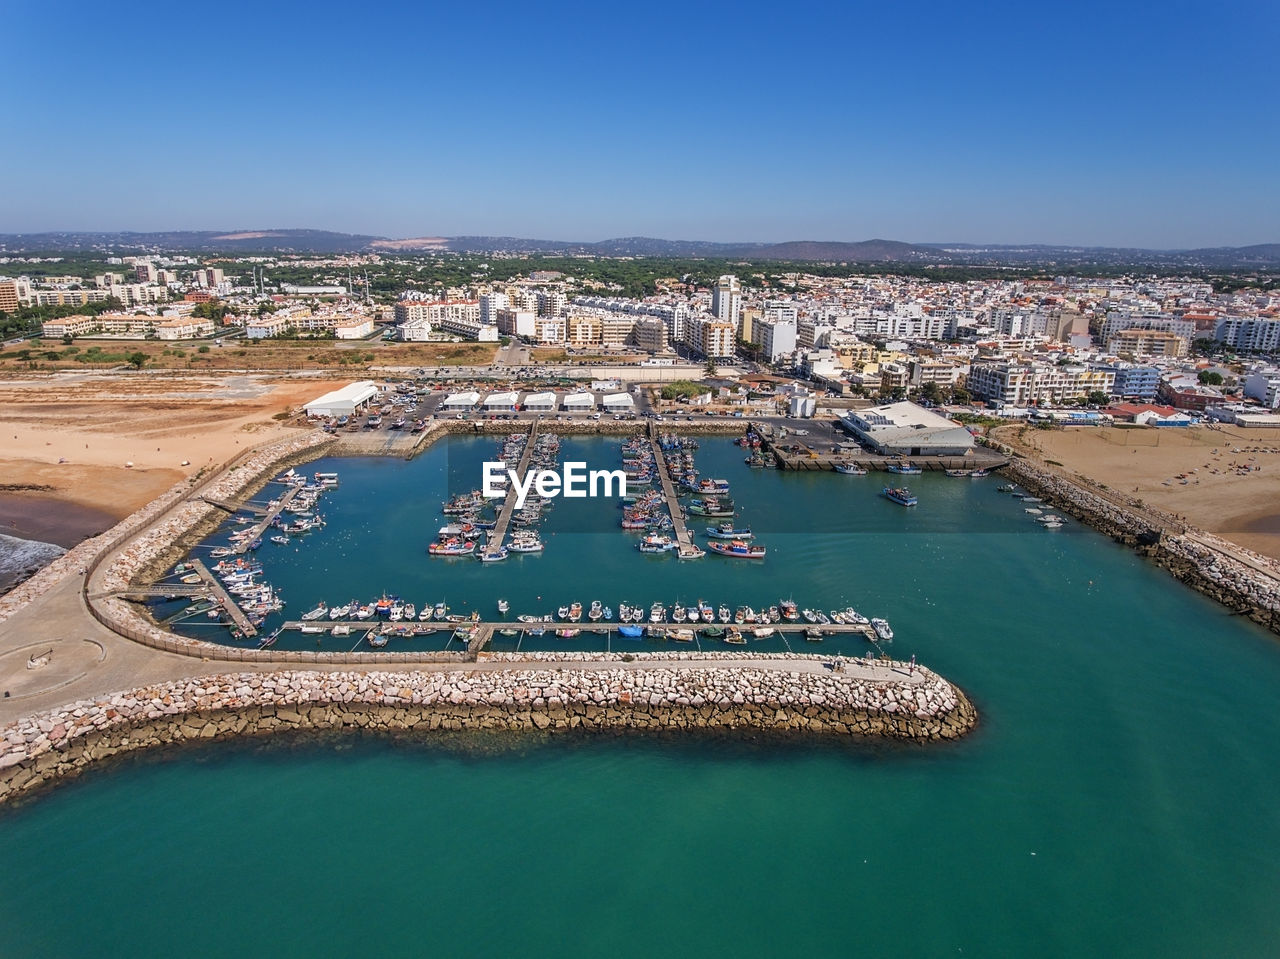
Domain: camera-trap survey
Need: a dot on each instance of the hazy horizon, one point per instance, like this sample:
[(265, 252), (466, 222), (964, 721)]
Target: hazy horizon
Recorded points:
[(629, 236)]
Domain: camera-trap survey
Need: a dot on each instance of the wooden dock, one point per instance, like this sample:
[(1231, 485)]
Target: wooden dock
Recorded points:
[(229, 605), (268, 518), (499, 534), (687, 547)]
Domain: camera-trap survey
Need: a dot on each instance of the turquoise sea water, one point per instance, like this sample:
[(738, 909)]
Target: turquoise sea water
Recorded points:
[(1117, 800)]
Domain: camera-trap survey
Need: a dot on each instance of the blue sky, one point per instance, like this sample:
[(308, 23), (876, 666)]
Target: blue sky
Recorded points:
[(1091, 123)]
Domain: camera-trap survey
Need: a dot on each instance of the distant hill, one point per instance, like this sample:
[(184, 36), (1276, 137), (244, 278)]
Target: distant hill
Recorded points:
[(1264, 256), (868, 251)]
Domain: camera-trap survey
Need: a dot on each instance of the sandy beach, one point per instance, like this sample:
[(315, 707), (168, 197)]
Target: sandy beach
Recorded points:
[(1224, 480), (74, 435)]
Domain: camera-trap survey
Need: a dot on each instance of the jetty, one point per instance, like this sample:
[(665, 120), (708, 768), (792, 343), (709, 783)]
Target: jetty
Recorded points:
[(232, 508), (499, 535), (225, 599), (268, 518), (683, 537)]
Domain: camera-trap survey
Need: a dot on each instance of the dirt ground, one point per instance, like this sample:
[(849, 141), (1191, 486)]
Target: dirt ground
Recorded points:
[(1223, 479), (343, 358), (73, 436)]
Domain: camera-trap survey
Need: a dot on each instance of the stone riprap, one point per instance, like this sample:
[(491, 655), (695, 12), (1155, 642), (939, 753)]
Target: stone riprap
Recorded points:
[(1247, 582), (621, 695)]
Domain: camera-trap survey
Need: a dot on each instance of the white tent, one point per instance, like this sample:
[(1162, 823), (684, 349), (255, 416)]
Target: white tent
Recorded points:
[(501, 401), (460, 401), (343, 402), (540, 402), (619, 403), (579, 402)]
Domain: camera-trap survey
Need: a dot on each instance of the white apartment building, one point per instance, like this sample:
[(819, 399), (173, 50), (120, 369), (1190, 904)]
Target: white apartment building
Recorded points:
[(512, 322), (1022, 384), (726, 302), (776, 335), (1264, 386), (1248, 333), (490, 305), (712, 337)]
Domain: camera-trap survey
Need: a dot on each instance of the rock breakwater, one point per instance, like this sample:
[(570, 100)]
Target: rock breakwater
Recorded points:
[(800, 695), (1246, 582)]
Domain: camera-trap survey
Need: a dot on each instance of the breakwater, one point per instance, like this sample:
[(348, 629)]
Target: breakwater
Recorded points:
[(1245, 582), (799, 694)]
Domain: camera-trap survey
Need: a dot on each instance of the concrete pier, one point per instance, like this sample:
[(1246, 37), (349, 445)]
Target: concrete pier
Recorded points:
[(268, 519), (683, 537), (499, 535), (229, 605)]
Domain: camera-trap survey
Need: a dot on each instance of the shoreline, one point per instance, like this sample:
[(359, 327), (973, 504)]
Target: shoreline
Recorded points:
[(520, 697)]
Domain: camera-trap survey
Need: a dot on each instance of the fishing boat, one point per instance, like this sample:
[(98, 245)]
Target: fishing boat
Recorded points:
[(317, 613), (900, 495), (657, 613), (608, 614), (706, 612), (729, 531), (410, 611), (493, 555), (628, 631), (567, 633), (441, 610), (575, 612), (958, 472), (713, 632), (850, 469), (763, 632), (425, 614), (525, 544), (596, 612), (882, 628), (280, 540), (978, 474), (452, 547), (738, 549), (563, 612), (905, 468), (787, 609), (342, 629), (680, 635), (376, 640), (723, 614), (734, 637), (711, 506), (503, 606), (813, 634), (678, 614)]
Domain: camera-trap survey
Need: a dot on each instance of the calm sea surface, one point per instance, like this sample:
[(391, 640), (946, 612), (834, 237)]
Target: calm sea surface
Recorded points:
[(1117, 800)]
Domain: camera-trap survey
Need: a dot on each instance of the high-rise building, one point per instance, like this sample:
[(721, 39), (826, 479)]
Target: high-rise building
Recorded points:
[(726, 301), (9, 296), (776, 335), (490, 304)]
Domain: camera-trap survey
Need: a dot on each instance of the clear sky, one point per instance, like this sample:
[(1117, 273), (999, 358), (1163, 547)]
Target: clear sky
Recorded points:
[(1100, 123)]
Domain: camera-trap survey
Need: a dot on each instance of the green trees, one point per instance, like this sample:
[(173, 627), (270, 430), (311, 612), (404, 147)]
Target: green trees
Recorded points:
[(1210, 378), (137, 359), (1099, 398)]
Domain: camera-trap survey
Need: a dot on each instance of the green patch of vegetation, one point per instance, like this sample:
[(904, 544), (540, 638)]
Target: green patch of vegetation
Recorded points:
[(687, 388)]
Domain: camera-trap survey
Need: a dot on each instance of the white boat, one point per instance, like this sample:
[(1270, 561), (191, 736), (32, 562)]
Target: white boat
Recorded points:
[(342, 629), (503, 606), (882, 628), (596, 611)]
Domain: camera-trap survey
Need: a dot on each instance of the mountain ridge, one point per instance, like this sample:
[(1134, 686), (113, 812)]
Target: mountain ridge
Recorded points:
[(309, 241)]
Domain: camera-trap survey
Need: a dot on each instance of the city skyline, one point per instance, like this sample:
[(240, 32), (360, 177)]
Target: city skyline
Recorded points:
[(1097, 126)]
